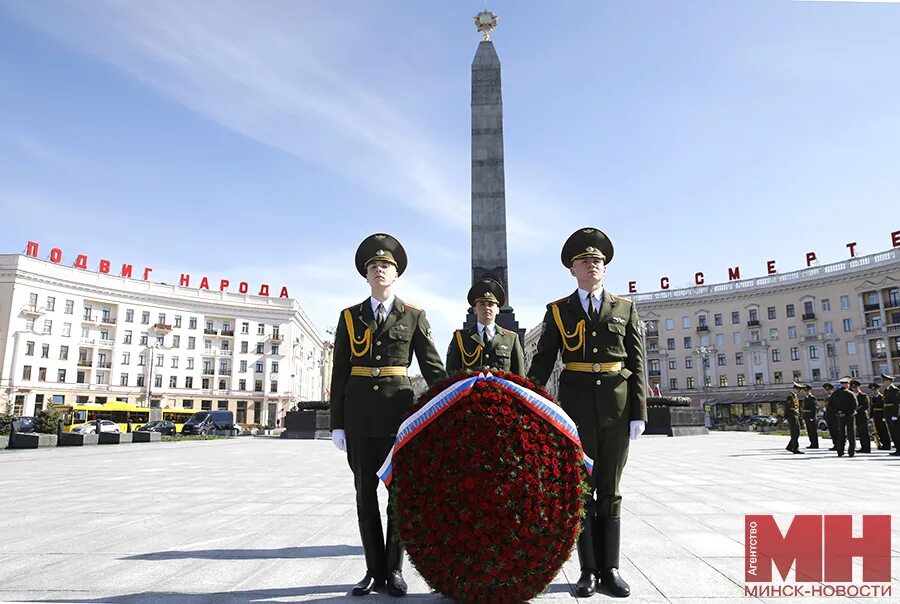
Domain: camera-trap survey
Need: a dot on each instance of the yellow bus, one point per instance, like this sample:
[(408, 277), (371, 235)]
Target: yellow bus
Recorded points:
[(120, 413)]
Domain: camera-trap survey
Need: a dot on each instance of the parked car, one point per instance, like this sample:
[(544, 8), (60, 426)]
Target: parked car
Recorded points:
[(762, 420), (821, 424), (91, 427), (237, 430), (163, 426), (25, 423), (209, 422)]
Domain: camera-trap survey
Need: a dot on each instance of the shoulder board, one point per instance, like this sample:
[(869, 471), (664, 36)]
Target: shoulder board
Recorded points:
[(560, 301), (408, 305), (615, 299)]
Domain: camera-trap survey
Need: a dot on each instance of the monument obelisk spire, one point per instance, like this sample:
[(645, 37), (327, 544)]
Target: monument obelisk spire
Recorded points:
[(488, 179)]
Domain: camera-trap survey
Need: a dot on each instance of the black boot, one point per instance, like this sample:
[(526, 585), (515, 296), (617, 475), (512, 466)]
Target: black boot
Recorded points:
[(396, 585), (373, 546), (584, 587), (609, 570)]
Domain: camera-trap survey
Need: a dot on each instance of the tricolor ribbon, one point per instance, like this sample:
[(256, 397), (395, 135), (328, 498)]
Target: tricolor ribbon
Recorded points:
[(544, 408)]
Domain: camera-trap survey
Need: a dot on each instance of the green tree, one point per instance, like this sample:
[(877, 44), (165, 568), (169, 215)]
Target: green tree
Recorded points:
[(47, 421)]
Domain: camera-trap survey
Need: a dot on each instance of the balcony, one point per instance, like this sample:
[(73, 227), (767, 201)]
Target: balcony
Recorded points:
[(208, 372), (210, 332), (654, 373), (34, 311), (162, 328), (893, 327), (809, 316), (753, 323), (85, 363), (871, 307), (107, 320), (703, 329), (652, 333), (277, 338), (756, 343), (874, 330), (104, 365), (107, 343), (88, 341), (228, 333), (879, 356), (892, 304), (653, 349), (225, 372)]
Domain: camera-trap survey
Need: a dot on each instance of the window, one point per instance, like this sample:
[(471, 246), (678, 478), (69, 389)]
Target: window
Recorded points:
[(29, 349), (686, 322), (735, 317), (160, 340), (101, 378), (796, 376), (143, 338), (51, 303), (739, 358), (222, 385), (189, 382), (176, 341), (701, 321), (126, 358), (140, 381), (690, 382), (190, 364), (826, 304), (851, 347), (814, 352), (273, 387), (274, 366), (207, 344), (854, 371), (754, 335), (723, 381), (689, 363), (670, 343), (717, 318), (830, 350), (243, 366), (720, 339), (127, 339), (848, 325), (773, 334), (260, 329), (776, 355), (704, 340), (845, 302), (242, 384), (259, 368), (26, 372), (29, 324), (145, 317), (754, 314), (223, 367), (173, 381), (192, 323), (45, 351), (673, 383), (687, 342), (758, 378), (159, 360), (257, 386), (187, 403), (721, 360), (816, 374), (225, 345), (738, 337), (192, 342), (209, 325), (244, 347), (175, 362), (226, 326), (771, 311), (70, 307), (740, 380), (142, 359), (259, 348), (63, 353), (275, 349), (795, 353), (245, 328), (177, 320), (123, 379), (157, 381), (67, 330), (789, 310), (829, 327)]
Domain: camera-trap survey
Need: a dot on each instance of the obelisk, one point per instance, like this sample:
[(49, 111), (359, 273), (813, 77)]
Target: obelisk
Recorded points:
[(488, 179)]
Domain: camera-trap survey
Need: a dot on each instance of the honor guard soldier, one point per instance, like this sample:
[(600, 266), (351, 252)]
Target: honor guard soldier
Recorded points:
[(371, 394), (881, 429), (485, 345), (862, 417), (843, 406), (792, 415), (810, 409), (892, 410), (602, 389), (828, 387)]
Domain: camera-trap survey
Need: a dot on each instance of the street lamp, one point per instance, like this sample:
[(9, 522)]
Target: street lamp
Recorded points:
[(832, 339), (704, 353)]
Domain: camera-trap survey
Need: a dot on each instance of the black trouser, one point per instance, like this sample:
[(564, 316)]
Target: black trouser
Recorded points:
[(862, 433), (894, 428), (365, 456), (882, 429), (845, 429), (832, 426), (794, 426), (812, 431)]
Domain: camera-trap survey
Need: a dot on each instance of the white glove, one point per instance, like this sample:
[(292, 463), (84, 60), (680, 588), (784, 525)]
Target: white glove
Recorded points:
[(339, 438), (893, 419), (637, 427)]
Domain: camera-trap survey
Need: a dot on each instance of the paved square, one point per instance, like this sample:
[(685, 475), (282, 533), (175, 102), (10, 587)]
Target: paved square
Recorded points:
[(266, 520)]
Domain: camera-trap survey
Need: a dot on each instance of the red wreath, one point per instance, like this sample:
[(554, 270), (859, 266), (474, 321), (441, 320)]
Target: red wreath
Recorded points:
[(488, 497)]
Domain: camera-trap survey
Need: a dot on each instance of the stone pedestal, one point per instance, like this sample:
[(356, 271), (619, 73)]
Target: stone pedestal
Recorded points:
[(676, 421), (76, 439), (115, 438), (308, 423), (31, 441), (146, 437), (4, 442)]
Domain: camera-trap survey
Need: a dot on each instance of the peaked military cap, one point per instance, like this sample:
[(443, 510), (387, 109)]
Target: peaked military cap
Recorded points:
[(380, 246), (798, 386), (807, 387), (828, 386), (844, 380), (874, 386), (487, 289), (885, 376), (855, 383), (586, 243)]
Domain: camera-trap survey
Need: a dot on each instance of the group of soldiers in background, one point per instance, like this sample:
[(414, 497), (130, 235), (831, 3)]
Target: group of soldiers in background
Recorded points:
[(849, 413)]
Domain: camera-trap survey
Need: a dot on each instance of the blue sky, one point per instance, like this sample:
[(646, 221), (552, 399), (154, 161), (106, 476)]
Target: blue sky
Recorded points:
[(264, 140)]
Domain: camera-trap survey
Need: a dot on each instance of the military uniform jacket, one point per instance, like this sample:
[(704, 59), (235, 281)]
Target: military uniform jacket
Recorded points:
[(878, 405), (891, 402), (842, 400), (503, 352), (375, 405), (792, 406), (862, 408), (810, 407), (601, 397)]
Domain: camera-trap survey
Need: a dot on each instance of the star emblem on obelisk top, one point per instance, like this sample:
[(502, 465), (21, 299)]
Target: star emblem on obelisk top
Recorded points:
[(486, 22)]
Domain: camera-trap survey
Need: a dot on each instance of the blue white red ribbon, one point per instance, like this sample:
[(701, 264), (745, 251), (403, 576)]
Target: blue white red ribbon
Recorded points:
[(544, 408)]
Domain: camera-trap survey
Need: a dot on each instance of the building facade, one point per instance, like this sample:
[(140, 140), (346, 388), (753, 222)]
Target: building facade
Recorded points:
[(72, 336)]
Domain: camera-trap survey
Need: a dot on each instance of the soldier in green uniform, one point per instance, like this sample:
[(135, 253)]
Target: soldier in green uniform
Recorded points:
[(485, 345), (881, 429), (892, 409), (792, 415), (602, 389), (828, 387), (810, 408), (862, 417), (843, 407), (371, 394)]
